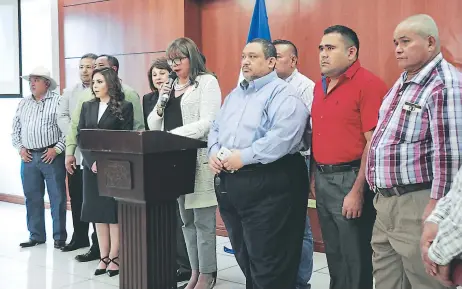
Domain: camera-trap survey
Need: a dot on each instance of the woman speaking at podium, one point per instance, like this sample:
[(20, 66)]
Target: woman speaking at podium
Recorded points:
[(187, 105), (108, 110)]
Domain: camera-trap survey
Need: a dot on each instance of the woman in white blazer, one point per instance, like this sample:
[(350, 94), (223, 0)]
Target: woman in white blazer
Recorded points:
[(194, 100)]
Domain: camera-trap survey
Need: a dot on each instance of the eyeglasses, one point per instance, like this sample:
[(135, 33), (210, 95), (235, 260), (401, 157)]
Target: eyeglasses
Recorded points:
[(176, 61)]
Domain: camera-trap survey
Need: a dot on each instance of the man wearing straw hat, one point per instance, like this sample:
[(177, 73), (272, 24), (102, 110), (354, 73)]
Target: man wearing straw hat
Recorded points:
[(40, 144)]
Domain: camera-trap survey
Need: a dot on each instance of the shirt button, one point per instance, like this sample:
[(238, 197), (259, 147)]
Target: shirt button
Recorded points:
[(322, 116), (382, 129), (372, 169)]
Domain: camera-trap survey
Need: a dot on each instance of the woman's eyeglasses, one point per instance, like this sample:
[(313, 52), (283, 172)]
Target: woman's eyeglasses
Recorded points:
[(176, 61)]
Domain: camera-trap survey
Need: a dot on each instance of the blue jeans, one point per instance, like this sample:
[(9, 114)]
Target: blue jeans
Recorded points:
[(35, 175), (305, 268)]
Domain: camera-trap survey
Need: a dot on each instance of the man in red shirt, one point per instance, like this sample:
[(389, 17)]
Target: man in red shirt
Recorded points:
[(344, 114)]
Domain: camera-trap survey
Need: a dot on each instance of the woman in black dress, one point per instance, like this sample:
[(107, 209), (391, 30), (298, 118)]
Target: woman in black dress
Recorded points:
[(108, 110), (157, 76)]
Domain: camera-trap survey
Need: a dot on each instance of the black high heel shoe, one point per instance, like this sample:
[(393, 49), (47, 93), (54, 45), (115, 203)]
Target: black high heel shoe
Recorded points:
[(113, 273), (106, 261)]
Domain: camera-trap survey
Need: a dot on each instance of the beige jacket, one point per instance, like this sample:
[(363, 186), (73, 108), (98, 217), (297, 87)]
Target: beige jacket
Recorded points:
[(199, 106)]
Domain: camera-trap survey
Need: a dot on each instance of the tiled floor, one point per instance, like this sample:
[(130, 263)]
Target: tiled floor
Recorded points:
[(43, 267)]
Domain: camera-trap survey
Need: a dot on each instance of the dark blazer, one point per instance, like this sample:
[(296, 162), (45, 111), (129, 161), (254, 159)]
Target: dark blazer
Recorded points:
[(149, 101), (89, 120)]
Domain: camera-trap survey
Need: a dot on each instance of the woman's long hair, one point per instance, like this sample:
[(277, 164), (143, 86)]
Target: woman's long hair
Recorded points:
[(159, 63), (185, 47), (114, 89)]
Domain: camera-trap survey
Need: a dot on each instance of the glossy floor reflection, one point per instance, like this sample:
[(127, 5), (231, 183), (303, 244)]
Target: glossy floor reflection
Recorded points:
[(43, 267)]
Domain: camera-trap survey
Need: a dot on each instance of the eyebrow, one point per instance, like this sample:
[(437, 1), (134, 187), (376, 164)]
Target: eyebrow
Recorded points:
[(326, 45)]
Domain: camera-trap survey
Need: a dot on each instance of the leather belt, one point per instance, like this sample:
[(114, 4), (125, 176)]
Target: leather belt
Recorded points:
[(41, 150), (328, 169), (401, 190), (259, 166)]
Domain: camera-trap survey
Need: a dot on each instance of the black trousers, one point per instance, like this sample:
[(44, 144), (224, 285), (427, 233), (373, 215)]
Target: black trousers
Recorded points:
[(75, 183), (264, 213), (347, 241)]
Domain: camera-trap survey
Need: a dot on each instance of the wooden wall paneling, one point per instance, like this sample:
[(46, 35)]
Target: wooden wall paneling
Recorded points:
[(122, 27), (62, 72), (192, 21), (225, 25), (80, 2), (134, 70)]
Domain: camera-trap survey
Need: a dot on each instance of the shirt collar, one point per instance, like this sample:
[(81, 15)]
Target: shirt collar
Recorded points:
[(424, 74), (351, 71), (259, 82), (48, 95), (291, 77)]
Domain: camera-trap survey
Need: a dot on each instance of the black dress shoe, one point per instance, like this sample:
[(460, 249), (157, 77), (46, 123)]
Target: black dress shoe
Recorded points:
[(72, 246), (91, 255), (182, 276), (30, 243), (59, 244)]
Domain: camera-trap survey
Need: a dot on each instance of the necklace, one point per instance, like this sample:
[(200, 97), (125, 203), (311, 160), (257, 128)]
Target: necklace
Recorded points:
[(178, 87)]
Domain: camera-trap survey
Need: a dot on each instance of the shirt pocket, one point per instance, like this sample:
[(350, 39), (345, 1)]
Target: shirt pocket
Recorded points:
[(413, 125)]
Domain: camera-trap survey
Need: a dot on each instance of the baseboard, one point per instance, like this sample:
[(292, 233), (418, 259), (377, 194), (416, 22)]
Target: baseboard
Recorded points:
[(15, 199)]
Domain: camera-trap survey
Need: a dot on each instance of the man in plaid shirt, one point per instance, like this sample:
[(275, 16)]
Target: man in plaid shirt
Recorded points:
[(414, 153), (441, 239)]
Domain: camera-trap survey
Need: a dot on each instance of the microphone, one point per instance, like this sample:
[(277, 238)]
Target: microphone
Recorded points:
[(163, 99)]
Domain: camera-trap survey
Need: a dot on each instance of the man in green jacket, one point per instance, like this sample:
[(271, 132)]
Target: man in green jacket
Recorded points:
[(71, 137)]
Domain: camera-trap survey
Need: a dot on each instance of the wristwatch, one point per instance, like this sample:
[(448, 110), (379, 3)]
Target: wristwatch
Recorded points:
[(57, 150)]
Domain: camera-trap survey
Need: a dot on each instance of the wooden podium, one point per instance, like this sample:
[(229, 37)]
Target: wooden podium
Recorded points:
[(146, 171)]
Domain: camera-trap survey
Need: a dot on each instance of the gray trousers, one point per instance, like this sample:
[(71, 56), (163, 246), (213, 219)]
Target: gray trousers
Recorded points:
[(347, 241), (199, 227), (182, 258)]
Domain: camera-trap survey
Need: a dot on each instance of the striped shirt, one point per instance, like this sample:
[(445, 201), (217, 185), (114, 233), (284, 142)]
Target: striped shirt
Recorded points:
[(304, 87), (418, 138), (35, 124), (448, 215)]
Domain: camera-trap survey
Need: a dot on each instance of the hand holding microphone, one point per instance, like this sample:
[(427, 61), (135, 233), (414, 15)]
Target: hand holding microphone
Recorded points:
[(164, 93)]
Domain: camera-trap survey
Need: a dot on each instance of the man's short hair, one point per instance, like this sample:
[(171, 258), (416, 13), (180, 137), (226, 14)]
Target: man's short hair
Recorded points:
[(422, 24), (268, 48), (89, 55), (349, 36), (286, 42), (111, 60)]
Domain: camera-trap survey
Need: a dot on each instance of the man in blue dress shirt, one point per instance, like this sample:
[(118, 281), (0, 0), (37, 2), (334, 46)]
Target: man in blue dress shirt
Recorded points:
[(261, 179)]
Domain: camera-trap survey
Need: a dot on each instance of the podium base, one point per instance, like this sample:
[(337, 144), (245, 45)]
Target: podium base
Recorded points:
[(147, 245)]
